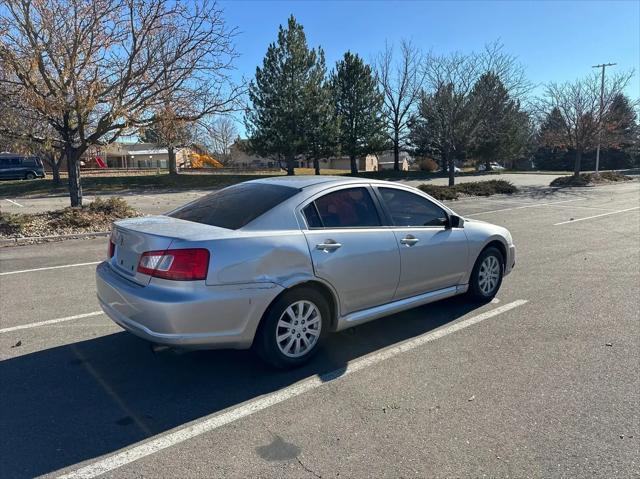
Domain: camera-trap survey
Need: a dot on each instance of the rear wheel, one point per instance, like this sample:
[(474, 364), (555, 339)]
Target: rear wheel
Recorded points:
[(486, 276), (30, 176), (292, 328)]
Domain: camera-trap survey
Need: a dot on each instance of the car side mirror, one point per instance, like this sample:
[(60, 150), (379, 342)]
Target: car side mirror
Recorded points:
[(456, 221)]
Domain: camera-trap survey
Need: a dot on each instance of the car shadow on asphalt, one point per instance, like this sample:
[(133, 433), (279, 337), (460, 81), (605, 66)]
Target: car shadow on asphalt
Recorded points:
[(72, 403)]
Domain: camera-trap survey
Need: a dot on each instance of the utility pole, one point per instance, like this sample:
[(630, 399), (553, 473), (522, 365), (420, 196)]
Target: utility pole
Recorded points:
[(603, 66)]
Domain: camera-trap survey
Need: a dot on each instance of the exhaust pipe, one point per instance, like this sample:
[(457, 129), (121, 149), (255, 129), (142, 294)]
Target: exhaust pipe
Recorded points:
[(159, 348)]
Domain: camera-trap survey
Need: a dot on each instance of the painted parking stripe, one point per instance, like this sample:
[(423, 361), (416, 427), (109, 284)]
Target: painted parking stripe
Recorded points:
[(215, 421), (14, 202), (597, 216), (525, 206), (49, 267), (50, 322)]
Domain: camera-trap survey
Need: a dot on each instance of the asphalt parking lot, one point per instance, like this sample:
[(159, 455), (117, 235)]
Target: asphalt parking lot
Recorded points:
[(543, 382)]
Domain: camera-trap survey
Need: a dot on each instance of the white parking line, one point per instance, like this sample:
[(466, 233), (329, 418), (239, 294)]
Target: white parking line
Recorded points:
[(50, 321), (597, 216), (579, 206), (14, 202), (49, 267), (215, 421), (525, 206)]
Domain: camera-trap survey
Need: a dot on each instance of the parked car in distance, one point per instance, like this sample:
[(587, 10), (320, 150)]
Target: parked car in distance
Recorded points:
[(17, 167), (277, 263), (494, 167)]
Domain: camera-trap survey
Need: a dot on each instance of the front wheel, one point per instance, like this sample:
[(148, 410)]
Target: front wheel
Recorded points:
[(292, 327), (30, 176), (487, 274)]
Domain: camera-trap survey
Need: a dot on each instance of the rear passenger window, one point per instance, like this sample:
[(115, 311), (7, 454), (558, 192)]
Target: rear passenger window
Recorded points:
[(347, 208), (312, 216), (409, 209)]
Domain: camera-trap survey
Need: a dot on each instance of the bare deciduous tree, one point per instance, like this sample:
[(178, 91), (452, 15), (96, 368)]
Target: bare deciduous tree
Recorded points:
[(22, 130), (576, 105), (95, 70), (401, 83), (221, 135)]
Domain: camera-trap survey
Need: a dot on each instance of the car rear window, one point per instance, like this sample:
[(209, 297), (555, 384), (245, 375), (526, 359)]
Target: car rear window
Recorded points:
[(236, 206)]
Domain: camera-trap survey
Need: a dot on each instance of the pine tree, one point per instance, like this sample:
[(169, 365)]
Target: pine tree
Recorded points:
[(502, 129), (442, 125), (287, 117), (494, 107), (322, 127), (620, 128), (358, 105)]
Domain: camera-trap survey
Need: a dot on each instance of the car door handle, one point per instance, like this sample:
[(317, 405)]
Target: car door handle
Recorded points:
[(328, 246), (409, 240)]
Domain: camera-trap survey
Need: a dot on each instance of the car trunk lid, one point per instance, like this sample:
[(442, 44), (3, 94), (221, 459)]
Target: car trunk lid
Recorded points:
[(135, 236)]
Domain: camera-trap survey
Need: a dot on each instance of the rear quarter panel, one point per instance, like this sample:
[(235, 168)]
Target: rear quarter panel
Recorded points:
[(265, 257)]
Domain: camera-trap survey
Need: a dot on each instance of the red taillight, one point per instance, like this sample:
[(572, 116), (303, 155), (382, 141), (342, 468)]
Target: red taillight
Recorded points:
[(176, 264), (112, 248)]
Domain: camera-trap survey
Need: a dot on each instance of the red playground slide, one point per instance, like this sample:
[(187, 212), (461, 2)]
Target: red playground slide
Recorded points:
[(101, 163)]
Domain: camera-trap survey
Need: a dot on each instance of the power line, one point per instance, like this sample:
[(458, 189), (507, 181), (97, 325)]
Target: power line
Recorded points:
[(603, 66)]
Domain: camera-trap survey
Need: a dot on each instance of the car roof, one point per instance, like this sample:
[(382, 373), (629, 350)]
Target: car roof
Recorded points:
[(305, 181)]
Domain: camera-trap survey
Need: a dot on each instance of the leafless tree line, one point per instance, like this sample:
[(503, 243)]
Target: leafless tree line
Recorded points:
[(579, 113), (448, 81)]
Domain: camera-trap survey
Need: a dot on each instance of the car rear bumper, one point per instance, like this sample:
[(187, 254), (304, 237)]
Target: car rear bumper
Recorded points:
[(193, 315)]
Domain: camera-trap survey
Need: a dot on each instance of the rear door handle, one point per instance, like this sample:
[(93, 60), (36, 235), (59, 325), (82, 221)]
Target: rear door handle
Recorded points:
[(409, 240), (328, 245)]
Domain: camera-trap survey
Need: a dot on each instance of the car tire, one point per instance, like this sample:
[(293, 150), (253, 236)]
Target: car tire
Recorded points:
[(298, 315), (487, 275), (30, 176)]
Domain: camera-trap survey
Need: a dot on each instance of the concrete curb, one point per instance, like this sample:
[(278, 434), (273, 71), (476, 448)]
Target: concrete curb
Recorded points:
[(31, 239)]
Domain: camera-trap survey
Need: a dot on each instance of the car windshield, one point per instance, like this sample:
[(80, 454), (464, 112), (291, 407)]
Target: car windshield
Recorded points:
[(236, 206)]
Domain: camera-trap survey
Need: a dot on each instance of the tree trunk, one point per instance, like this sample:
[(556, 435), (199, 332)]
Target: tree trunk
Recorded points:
[(173, 165), (316, 165), (487, 164), (55, 172), (290, 166), (451, 167), (354, 165), (50, 159), (73, 168), (576, 167), (396, 152)]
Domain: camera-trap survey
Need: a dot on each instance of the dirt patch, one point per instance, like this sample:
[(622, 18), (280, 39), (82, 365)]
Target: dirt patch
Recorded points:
[(93, 218)]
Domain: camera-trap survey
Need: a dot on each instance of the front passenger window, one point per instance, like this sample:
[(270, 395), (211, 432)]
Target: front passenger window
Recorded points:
[(409, 209)]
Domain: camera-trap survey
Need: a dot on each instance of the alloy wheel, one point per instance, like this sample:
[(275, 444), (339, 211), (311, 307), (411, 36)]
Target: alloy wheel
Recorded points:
[(489, 275), (298, 329)]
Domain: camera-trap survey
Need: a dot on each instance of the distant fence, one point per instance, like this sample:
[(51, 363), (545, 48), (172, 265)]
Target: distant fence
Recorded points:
[(189, 171), (230, 171)]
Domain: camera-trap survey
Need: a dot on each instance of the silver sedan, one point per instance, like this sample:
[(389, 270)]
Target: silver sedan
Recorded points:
[(277, 263)]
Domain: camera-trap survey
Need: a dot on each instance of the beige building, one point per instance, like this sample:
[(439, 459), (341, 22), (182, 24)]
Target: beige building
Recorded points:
[(239, 158), (134, 155)]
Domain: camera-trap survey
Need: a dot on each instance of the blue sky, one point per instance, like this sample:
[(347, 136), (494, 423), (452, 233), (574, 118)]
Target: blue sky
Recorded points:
[(555, 41)]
